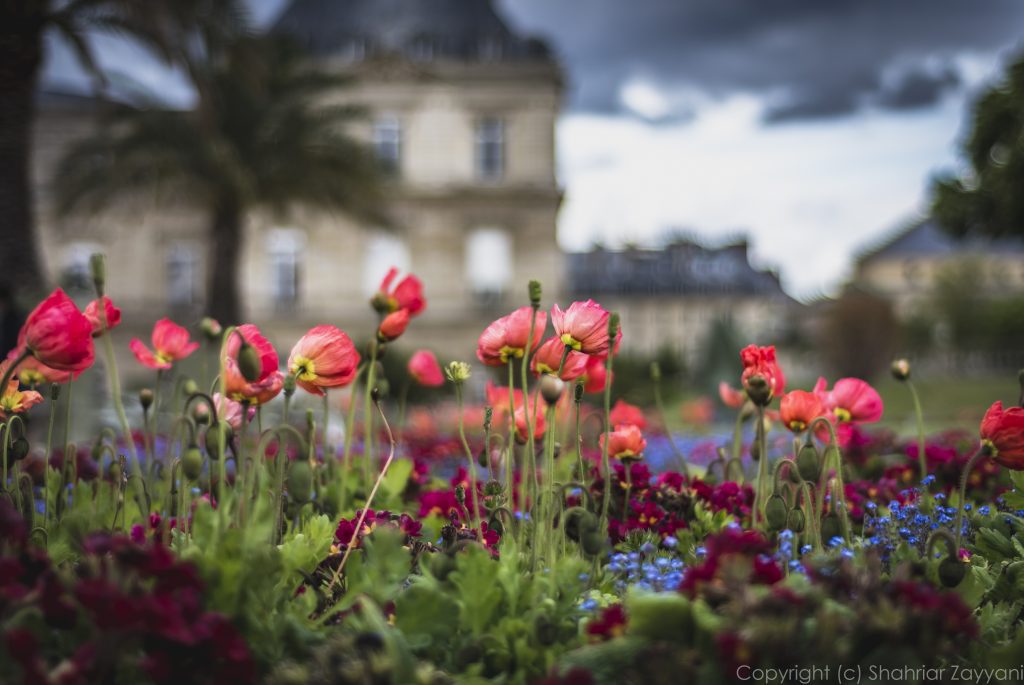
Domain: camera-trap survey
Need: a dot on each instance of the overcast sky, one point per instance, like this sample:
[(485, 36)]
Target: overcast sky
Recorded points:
[(811, 125)]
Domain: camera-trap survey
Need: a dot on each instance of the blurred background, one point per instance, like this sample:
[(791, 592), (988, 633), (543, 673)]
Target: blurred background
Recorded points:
[(844, 180)]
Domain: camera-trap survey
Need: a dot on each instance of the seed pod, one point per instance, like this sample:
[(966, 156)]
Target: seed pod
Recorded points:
[(551, 388), (952, 572), (758, 390), (249, 363), (19, 449), (146, 398), (775, 512), (192, 462), (796, 520), (808, 463), (300, 482), (213, 443)]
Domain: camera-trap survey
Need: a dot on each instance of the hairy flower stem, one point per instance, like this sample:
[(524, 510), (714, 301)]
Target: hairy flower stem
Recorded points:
[(838, 491), (326, 414), (760, 491), (61, 494), (242, 469), (46, 459), (472, 499), (350, 419), (509, 461), (524, 368), (579, 445), (737, 444), (115, 395), (919, 415), (982, 452), (605, 466), (371, 379)]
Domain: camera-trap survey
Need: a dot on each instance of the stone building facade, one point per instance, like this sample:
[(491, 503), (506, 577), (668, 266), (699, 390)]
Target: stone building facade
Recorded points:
[(459, 108)]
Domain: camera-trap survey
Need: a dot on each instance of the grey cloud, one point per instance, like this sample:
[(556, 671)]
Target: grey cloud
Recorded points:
[(919, 88)]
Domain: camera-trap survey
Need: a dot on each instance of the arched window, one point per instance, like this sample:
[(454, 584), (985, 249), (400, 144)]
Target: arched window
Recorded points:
[(383, 252), (488, 262)]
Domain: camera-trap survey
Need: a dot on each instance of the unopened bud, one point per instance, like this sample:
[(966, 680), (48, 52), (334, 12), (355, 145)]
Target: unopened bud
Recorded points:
[(19, 449), (249, 362), (192, 462), (775, 512), (901, 369), (796, 520), (830, 528), (211, 328), (54, 392), (214, 439), (808, 463), (577, 392), (952, 572), (146, 398), (310, 421), (488, 417), (289, 385), (535, 293), (759, 390), (190, 387), (613, 330), (458, 372), (551, 388), (300, 481), (98, 269), (201, 413)]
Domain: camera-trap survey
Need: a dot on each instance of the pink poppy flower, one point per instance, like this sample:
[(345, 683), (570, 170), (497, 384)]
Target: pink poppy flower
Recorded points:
[(230, 411), (1002, 433), (95, 316), (584, 328), (799, 408), (423, 367), (407, 294), (171, 343), (270, 380), (507, 338), (549, 355), (33, 373), (323, 358), (850, 400)]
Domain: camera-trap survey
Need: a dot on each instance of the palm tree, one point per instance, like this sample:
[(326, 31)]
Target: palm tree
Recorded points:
[(23, 25), (262, 136)]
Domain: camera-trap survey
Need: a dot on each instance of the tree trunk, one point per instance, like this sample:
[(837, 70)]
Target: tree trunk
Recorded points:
[(21, 51), (222, 297)]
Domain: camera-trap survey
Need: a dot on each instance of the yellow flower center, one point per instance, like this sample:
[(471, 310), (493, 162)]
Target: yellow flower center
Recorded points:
[(572, 342), (842, 414), (11, 402), (30, 377), (797, 426), (507, 353), (544, 368), (989, 447), (303, 369), (163, 357)]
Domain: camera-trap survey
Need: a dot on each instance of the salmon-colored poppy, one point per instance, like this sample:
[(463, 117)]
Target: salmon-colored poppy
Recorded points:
[(548, 357), (269, 381), (584, 328), (14, 400), (323, 358), (171, 343), (625, 413), (799, 408), (508, 337), (626, 442)]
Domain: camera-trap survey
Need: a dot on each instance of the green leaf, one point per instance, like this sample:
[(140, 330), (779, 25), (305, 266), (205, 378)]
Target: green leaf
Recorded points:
[(426, 614), (475, 582), (397, 477)]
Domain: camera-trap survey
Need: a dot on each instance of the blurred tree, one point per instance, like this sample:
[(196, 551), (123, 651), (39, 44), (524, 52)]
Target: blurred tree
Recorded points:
[(988, 199), (859, 334), (262, 135), (720, 356), (23, 26), (971, 319)]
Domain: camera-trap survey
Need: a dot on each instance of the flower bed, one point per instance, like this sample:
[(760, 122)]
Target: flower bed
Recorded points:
[(521, 540)]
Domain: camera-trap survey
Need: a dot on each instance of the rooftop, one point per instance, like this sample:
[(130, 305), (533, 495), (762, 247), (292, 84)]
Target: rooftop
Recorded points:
[(422, 30), (926, 238)]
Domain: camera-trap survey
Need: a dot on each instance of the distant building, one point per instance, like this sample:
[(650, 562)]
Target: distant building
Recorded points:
[(905, 266), (460, 110), (671, 297)]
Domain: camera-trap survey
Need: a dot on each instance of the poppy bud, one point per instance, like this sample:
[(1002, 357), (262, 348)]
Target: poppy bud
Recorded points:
[(830, 528), (381, 389), (551, 388), (98, 270), (393, 325), (54, 392), (460, 495), (19, 449), (901, 369), (481, 457), (300, 481), (613, 330), (535, 293), (488, 417), (578, 522), (249, 362), (114, 472), (775, 512), (952, 572), (210, 328), (495, 524), (796, 520), (201, 413), (755, 450), (146, 398), (832, 455), (192, 462), (97, 450), (759, 390), (808, 463), (592, 542), (577, 393), (289, 385), (213, 440), (655, 371)]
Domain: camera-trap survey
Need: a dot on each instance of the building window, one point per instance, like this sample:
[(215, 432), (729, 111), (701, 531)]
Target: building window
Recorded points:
[(384, 252), (488, 263), (387, 143), (182, 272), (490, 148), (284, 248)]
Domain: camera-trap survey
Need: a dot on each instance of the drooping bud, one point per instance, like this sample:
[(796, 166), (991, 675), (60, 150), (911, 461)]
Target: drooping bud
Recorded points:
[(830, 528), (19, 449), (952, 572), (211, 328), (201, 413), (900, 369), (535, 293), (755, 450), (192, 462), (190, 387), (796, 520), (458, 372), (249, 362), (214, 440), (98, 270), (592, 542), (300, 481), (551, 388), (775, 512), (808, 463), (759, 390), (289, 385), (146, 398)]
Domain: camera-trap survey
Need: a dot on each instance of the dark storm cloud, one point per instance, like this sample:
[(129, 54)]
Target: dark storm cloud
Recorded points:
[(809, 59)]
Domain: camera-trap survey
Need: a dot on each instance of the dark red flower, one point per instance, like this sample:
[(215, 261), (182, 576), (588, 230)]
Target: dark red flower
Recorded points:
[(58, 335), (1002, 433)]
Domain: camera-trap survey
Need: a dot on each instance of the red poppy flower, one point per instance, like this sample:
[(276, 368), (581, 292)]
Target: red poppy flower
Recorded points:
[(407, 294), (596, 375), (625, 442), (423, 367), (624, 412), (59, 335), (393, 325), (171, 343), (95, 316), (760, 361), (32, 372), (507, 337), (799, 408), (548, 357), (270, 380), (1002, 433), (584, 328), (323, 358)]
